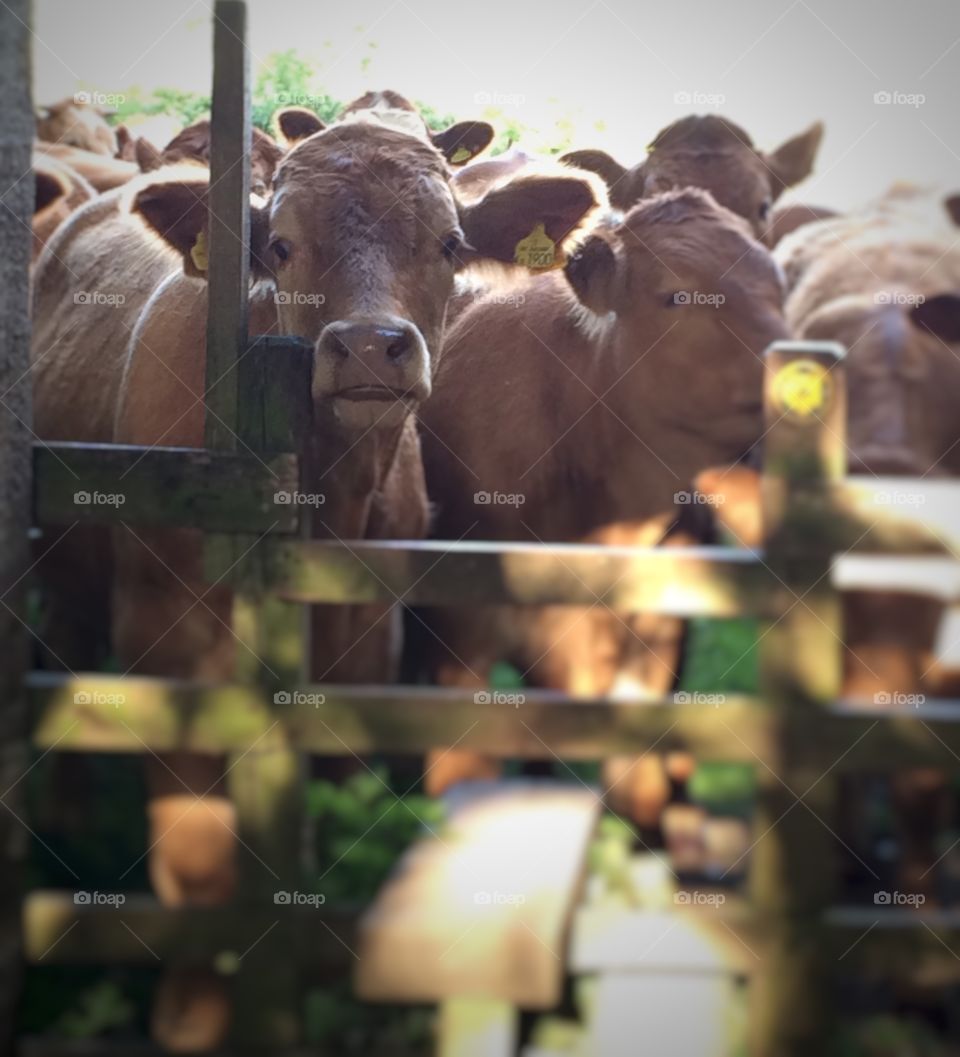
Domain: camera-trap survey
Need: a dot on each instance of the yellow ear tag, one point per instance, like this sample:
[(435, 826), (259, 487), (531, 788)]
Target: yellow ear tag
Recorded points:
[(538, 251), (460, 155), (198, 253)]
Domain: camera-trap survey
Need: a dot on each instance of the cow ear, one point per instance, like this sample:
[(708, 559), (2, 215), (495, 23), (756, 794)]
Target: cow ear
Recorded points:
[(793, 161), (295, 123), (147, 156), (592, 274), (463, 141), (49, 187), (177, 212), (952, 205), (527, 220), (596, 161), (124, 143), (940, 315)]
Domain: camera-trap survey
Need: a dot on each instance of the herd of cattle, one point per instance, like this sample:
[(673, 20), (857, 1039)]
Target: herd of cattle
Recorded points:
[(505, 349)]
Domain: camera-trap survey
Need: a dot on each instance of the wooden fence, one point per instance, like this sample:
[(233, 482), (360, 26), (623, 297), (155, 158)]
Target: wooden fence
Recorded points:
[(795, 731)]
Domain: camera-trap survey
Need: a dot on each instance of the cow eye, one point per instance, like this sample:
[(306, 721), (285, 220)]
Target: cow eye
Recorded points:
[(451, 245), (765, 208), (280, 249)]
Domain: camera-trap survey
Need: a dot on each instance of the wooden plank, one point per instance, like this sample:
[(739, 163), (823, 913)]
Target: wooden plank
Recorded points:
[(477, 1027), (183, 487), (792, 867), (695, 938), (906, 515), (229, 230), (57, 931), (114, 714), (694, 581), (481, 908), (17, 191)]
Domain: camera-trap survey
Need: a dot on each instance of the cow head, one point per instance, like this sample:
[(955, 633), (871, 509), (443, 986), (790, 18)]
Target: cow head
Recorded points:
[(362, 238), (681, 288), (903, 379), (75, 123), (714, 154), (193, 145)]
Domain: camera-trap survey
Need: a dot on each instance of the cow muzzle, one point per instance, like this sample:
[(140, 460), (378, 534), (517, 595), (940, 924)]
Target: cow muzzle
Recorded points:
[(373, 371)]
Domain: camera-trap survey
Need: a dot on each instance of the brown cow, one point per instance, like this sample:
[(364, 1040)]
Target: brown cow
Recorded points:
[(75, 122), (101, 172), (604, 392), (360, 242), (885, 284), (59, 191), (712, 153)]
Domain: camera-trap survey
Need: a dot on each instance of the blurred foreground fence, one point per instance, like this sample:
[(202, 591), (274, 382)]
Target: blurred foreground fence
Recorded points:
[(795, 731)]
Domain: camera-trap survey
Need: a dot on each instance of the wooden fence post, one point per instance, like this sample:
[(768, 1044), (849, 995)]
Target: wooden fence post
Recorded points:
[(793, 868), (16, 210)]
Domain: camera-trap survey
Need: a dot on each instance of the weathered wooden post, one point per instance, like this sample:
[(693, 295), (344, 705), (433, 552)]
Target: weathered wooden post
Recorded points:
[(794, 863), (266, 781), (16, 195)]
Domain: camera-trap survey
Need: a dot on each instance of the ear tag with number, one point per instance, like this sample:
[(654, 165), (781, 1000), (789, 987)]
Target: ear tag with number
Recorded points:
[(198, 253), (538, 251)]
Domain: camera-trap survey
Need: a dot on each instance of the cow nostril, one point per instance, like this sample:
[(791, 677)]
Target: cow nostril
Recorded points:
[(399, 348)]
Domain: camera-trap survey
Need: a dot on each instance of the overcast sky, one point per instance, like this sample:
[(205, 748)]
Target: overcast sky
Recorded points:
[(774, 66)]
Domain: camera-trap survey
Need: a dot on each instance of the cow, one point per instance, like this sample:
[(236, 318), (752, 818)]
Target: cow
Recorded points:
[(77, 123), (364, 216), (59, 191), (586, 406), (884, 282), (101, 172), (788, 219), (713, 153)]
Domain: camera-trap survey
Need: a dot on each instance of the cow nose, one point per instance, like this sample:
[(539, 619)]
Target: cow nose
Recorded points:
[(374, 344)]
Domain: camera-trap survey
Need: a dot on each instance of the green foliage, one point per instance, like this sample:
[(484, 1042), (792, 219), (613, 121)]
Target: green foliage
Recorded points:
[(286, 79), (721, 656), (334, 1019), (185, 107), (76, 1003), (436, 121), (362, 828)]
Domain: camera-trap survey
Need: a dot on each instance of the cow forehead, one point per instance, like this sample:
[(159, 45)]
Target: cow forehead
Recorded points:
[(367, 166)]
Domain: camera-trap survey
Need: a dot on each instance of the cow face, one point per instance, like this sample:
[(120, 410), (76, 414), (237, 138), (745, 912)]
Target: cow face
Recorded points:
[(903, 380), (713, 154), (362, 238), (75, 123), (687, 292)]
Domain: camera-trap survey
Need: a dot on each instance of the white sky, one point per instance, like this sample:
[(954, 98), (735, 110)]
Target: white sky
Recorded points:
[(778, 66)]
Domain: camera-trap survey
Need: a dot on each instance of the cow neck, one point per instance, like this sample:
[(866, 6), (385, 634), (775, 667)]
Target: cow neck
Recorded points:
[(350, 472)]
